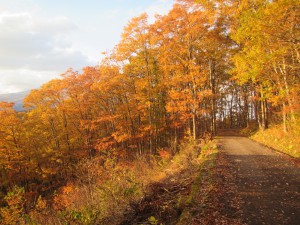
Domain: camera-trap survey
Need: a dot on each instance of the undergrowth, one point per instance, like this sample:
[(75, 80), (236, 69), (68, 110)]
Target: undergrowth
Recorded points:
[(276, 138), (202, 186), (102, 191)]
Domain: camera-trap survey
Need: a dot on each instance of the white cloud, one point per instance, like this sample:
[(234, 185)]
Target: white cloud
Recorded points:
[(19, 80), (37, 43), (34, 50), (160, 7), (55, 26)]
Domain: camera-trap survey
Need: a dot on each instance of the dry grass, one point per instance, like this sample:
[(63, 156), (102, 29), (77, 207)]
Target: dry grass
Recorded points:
[(203, 184), (274, 137), (102, 192)]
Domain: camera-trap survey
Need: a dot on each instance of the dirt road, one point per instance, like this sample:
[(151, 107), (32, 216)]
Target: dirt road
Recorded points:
[(247, 184), (267, 182)]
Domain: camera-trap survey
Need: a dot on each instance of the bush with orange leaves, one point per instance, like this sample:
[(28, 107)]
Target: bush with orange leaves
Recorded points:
[(65, 198), (165, 154), (14, 212), (104, 188)]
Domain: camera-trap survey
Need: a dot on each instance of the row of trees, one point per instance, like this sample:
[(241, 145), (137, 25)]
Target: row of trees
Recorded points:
[(203, 66), (268, 33)]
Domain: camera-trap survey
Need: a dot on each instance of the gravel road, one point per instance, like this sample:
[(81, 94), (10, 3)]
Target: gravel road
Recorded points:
[(268, 183)]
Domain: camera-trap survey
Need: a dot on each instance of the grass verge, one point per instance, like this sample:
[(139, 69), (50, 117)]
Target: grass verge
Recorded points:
[(274, 137), (202, 186)]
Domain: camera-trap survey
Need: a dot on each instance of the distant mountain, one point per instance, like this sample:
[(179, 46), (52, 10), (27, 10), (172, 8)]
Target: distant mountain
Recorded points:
[(17, 98)]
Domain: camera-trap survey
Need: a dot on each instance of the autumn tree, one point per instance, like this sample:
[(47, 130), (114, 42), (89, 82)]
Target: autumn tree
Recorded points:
[(138, 57), (269, 56), (12, 154)]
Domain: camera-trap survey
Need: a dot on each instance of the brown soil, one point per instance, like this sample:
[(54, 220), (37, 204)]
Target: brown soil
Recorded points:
[(163, 201)]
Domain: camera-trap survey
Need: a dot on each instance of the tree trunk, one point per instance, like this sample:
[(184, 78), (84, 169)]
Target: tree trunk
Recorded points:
[(194, 127), (213, 100), (263, 111)]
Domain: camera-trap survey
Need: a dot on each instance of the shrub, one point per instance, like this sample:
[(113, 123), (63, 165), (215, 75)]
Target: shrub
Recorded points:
[(14, 212)]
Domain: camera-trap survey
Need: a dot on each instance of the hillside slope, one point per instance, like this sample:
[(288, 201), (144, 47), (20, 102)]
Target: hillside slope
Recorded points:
[(17, 98)]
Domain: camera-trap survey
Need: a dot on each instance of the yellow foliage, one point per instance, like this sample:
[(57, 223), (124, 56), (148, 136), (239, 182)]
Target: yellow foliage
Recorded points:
[(275, 137)]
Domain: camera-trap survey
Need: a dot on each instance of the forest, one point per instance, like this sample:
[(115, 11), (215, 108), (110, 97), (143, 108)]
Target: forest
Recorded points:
[(80, 147)]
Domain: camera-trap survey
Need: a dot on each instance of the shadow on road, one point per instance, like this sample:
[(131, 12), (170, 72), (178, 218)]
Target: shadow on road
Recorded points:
[(268, 184)]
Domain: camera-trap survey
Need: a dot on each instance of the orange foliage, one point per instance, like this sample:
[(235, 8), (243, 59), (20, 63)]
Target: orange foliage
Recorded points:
[(162, 81)]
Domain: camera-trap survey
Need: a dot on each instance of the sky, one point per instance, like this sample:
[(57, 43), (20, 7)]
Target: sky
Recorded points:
[(41, 39)]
